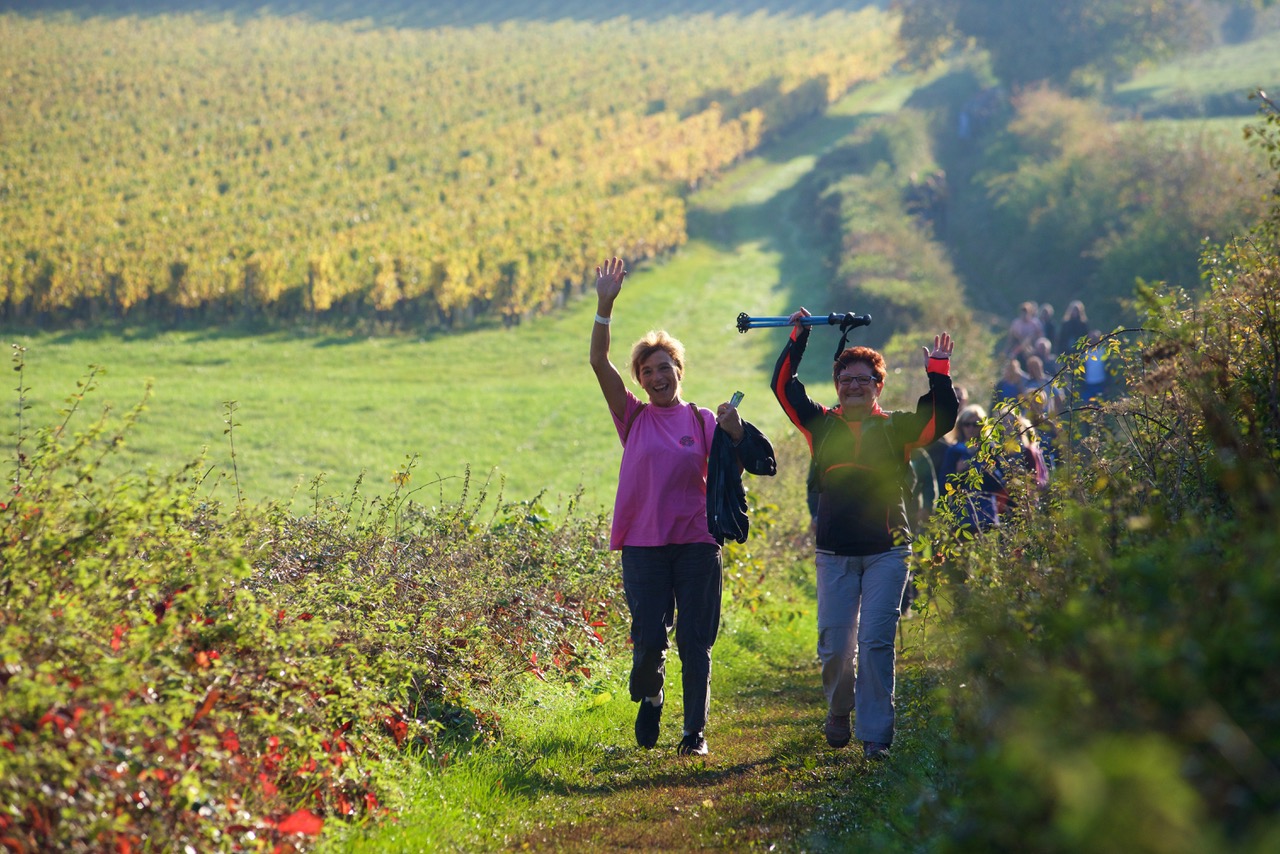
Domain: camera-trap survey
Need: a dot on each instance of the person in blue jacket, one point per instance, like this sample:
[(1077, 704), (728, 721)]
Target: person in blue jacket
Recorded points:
[(861, 455)]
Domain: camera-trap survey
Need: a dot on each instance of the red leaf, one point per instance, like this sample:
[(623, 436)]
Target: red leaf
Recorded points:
[(116, 635), (302, 821), (209, 700), (268, 788)]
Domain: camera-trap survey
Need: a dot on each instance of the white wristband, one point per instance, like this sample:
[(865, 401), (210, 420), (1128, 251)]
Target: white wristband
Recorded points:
[(603, 321)]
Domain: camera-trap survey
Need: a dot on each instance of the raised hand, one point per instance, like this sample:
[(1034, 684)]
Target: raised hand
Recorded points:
[(943, 346), (796, 316), (609, 278)]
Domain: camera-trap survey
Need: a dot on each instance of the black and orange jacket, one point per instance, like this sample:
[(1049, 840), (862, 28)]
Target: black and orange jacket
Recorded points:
[(863, 468)]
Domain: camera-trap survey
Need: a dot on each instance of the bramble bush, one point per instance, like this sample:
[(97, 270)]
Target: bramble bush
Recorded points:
[(1116, 687), (179, 675)]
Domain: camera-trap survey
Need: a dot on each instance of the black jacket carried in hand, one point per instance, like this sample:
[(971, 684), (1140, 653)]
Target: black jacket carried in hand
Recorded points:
[(726, 497)]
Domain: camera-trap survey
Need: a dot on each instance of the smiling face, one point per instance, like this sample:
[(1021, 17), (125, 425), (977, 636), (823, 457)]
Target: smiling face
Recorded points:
[(657, 363), (659, 376), (858, 387)]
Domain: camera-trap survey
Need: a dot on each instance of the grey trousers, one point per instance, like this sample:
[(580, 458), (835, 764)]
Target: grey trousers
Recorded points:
[(678, 584), (858, 600)]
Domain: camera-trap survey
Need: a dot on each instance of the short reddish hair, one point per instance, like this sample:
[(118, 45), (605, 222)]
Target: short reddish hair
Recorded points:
[(871, 358)]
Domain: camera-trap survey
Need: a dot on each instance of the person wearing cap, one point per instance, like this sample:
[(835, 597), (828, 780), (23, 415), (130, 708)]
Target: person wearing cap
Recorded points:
[(861, 456)]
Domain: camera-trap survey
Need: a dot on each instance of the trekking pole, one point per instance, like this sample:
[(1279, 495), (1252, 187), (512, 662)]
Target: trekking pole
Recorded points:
[(846, 321)]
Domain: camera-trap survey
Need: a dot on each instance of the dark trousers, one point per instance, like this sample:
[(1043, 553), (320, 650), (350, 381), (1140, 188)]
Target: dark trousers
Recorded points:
[(678, 584)]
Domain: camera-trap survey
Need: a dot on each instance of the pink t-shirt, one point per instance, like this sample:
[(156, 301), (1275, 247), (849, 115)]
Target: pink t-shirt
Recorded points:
[(662, 481)]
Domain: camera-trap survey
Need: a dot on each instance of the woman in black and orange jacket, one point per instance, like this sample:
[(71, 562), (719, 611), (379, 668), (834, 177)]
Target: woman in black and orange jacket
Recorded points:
[(861, 456)]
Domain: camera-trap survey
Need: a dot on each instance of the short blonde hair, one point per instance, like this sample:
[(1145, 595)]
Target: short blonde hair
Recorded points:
[(653, 341)]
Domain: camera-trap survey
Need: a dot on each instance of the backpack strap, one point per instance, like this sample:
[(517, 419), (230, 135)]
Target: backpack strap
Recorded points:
[(697, 416), (702, 430), (626, 430)]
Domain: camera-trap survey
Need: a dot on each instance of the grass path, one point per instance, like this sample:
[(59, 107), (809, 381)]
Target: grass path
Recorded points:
[(770, 782), (567, 775)]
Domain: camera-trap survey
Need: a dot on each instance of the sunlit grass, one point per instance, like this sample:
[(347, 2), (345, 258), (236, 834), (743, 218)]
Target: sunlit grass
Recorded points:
[(1225, 70)]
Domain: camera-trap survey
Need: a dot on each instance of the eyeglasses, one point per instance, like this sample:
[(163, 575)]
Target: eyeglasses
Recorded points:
[(968, 423), (850, 379)]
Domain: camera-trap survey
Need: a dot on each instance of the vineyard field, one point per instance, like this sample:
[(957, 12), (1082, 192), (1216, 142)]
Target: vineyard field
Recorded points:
[(180, 168)]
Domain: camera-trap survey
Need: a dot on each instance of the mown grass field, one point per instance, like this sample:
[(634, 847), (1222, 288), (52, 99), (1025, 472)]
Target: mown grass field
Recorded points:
[(519, 405), (1225, 73)]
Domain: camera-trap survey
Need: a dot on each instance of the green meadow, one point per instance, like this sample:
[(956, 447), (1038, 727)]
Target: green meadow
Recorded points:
[(518, 408), (1227, 72)]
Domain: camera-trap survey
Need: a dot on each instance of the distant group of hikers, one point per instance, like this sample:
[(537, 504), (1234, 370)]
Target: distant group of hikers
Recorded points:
[(680, 496), (1015, 435)]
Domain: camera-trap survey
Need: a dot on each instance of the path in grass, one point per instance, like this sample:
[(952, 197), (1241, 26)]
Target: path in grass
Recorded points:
[(770, 781)]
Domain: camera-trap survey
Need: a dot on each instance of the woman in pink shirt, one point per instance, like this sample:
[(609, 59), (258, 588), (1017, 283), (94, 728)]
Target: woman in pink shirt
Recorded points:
[(670, 562)]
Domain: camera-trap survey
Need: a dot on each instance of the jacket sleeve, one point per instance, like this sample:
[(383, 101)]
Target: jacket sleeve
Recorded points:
[(787, 388), (935, 413), (755, 452)]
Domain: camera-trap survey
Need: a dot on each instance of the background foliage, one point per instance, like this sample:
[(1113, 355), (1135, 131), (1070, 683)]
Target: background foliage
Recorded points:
[(1114, 687)]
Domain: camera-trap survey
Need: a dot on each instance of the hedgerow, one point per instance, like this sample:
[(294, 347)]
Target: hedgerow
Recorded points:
[(181, 674), (1115, 686)]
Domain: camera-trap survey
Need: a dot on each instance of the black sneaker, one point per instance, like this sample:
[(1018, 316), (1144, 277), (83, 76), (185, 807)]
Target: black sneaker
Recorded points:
[(693, 745), (837, 731), (875, 750), (647, 719)]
